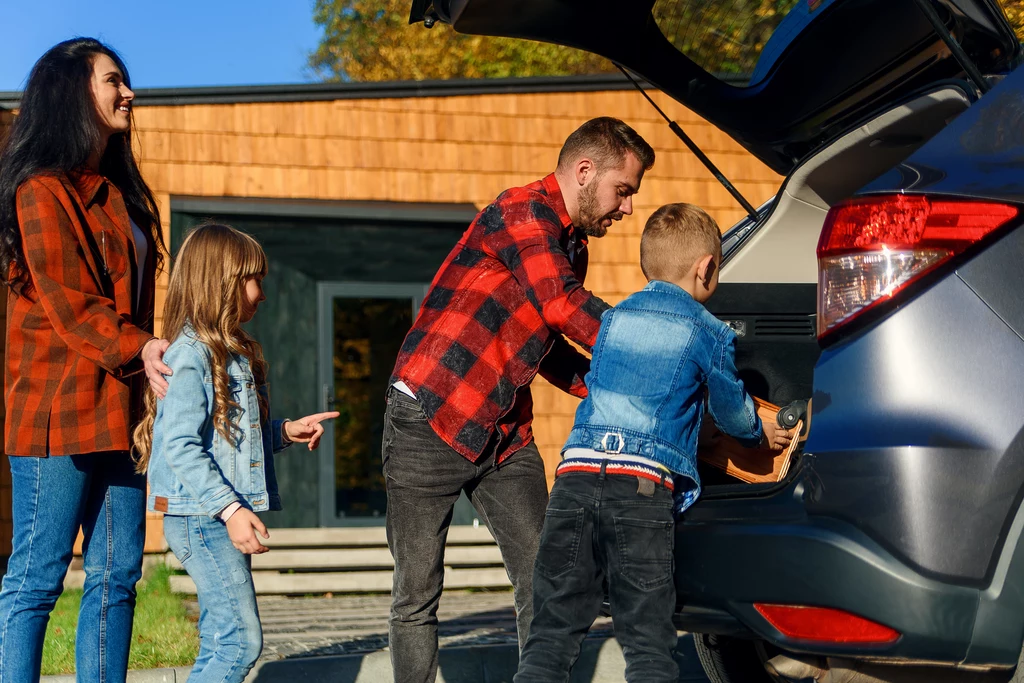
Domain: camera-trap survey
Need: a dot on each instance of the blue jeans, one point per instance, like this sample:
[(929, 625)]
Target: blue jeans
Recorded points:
[(604, 528), (230, 635), (52, 498)]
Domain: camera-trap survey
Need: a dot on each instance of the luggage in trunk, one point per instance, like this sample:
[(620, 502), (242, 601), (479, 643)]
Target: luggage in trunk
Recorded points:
[(752, 465)]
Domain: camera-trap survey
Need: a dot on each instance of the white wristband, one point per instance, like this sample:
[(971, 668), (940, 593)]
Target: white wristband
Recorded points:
[(226, 513)]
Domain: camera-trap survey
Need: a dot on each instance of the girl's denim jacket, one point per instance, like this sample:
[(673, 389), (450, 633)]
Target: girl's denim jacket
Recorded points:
[(193, 469), (658, 354)]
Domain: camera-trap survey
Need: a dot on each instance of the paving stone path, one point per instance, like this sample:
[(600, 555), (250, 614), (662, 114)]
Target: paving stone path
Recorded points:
[(351, 624), (358, 624)]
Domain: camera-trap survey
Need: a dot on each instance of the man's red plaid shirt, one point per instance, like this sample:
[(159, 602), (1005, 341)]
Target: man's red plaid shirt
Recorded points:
[(495, 316), (74, 379)]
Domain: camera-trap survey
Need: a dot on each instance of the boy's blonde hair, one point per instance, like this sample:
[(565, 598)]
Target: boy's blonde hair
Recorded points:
[(677, 236), (207, 291)]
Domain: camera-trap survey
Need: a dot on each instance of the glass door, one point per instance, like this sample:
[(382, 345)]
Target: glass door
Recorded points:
[(362, 326)]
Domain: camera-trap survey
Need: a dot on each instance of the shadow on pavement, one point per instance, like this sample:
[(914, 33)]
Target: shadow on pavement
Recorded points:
[(600, 662), (492, 627)]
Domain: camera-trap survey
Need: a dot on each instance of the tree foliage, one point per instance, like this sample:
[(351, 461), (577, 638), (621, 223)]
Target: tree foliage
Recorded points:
[(371, 40), (1015, 13)]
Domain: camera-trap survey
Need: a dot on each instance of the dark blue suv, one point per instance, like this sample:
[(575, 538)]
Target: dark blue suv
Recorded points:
[(885, 282)]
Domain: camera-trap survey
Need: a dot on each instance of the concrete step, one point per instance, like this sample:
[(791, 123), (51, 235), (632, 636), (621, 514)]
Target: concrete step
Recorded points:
[(358, 558), (364, 537), (277, 583), (346, 560)]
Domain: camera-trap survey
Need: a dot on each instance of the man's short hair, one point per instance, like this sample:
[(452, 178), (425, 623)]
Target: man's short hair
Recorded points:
[(605, 141), (677, 236)]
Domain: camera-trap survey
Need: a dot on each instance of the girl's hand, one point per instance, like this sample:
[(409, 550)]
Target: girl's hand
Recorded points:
[(308, 429), (775, 437), (242, 528)]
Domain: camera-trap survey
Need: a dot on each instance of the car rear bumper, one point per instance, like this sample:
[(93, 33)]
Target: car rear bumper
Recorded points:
[(734, 552)]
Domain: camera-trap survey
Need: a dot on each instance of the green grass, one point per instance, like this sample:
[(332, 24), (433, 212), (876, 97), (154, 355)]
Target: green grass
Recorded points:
[(163, 635)]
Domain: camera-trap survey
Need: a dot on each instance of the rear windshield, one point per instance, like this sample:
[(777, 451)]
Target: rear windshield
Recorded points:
[(736, 40)]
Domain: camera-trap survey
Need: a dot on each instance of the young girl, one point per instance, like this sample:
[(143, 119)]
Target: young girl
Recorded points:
[(209, 444)]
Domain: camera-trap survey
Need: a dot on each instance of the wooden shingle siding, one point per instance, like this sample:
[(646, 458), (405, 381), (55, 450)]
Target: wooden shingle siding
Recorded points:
[(441, 149)]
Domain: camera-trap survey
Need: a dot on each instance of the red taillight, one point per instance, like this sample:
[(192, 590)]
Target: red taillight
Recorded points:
[(819, 624), (872, 248)]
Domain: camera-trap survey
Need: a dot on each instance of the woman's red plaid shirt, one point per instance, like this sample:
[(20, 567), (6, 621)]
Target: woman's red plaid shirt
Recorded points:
[(73, 335)]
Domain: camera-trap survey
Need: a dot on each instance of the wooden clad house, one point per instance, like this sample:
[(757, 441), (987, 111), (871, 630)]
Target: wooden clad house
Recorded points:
[(357, 192)]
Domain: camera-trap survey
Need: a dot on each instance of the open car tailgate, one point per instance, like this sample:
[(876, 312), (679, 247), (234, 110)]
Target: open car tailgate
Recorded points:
[(813, 67)]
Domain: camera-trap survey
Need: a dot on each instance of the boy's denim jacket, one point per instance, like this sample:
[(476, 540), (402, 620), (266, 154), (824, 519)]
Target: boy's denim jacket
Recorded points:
[(655, 354), (193, 469)]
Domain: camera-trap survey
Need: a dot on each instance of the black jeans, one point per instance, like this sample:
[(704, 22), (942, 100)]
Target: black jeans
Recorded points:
[(424, 478), (599, 528)]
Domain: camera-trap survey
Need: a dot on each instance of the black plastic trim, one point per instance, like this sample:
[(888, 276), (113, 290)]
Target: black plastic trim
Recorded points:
[(314, 92), (416, 212), (763, 299), (704, 620)]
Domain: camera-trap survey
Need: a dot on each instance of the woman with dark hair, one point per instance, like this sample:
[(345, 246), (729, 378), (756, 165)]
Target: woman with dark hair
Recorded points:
[(79, 248)]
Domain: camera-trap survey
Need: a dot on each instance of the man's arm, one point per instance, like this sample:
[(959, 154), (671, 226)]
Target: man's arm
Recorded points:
[(529, 247), (565, 367)]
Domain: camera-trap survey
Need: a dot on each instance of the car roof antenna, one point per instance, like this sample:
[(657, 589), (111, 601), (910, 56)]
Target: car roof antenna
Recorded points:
[(747, 206)]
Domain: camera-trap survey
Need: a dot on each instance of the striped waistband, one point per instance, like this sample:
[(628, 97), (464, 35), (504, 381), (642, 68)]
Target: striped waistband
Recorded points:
[(614, 466)]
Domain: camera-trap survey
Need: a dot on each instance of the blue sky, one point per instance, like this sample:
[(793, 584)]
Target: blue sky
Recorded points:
[(167, 44)]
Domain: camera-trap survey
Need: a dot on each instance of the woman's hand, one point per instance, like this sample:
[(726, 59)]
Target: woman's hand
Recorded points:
[(308, 429), (775, 437), (242, 527), (152, 359)]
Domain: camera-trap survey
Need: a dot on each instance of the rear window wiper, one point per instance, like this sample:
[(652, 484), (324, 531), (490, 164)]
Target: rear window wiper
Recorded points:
[(692, 146)]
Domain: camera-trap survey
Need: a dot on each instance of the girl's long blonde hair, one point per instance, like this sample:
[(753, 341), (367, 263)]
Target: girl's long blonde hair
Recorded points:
[(207, 292)]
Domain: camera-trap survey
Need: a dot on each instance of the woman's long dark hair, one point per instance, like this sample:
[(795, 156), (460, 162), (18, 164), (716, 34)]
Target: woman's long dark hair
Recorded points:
[(56, 130)]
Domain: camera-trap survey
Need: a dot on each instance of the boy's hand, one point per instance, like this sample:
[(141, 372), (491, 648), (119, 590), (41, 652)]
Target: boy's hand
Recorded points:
[(775, 437), (242, 528), (308, 429)]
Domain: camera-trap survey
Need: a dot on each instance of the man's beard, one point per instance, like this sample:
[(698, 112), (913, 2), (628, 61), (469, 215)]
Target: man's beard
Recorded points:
[(590, 221)]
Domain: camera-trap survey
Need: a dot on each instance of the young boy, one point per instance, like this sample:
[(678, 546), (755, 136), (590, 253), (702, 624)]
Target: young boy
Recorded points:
[(631, 450)]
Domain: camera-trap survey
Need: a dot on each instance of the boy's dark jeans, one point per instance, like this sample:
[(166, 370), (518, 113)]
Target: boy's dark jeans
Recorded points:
[(600, 527), (424, 478)]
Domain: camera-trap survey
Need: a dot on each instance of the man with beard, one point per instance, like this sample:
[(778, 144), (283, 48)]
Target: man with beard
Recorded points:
[(459, 408)]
